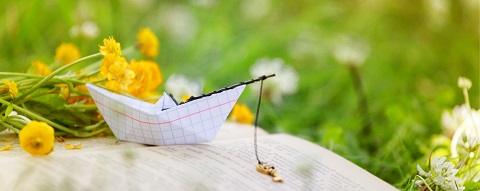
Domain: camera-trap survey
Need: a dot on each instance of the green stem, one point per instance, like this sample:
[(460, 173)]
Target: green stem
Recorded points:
[(16, 124), (59, 127), (95, 132), (426, 183), (38, 117), (83, 107), (98, 81), (467, 100), (18, 74), (61, 69), (362, 101), (60, 133), (92, 127), (10, 127), (33, 96)]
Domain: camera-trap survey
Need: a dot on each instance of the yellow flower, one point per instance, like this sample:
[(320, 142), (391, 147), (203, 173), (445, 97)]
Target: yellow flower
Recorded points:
[(148, 43), (37, 138), (119, 75), (10, 87), (242, 114), (111, 47), (41, 68), (185, 98), (67, 53), (148, 77), (107, 61)]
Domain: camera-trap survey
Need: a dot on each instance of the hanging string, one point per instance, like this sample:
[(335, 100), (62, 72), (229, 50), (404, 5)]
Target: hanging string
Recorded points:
[(256, 119), (261, 79)]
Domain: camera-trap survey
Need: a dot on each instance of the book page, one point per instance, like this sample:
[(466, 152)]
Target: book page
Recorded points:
[(221, 165), (228, 131)]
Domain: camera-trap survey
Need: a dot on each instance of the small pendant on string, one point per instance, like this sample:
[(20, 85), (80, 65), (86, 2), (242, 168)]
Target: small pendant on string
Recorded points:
[(263, 167)]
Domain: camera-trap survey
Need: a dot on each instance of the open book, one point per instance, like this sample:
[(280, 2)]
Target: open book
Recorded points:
[(227, 164)]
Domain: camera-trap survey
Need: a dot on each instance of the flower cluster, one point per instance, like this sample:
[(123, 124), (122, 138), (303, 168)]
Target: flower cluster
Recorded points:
[(441, 176), (462, 130), (139, 78), (24, 97), (71, 110)]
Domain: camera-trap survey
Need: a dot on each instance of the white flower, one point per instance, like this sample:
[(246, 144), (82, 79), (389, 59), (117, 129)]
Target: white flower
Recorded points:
[(464, 83), (421, 172), (255, 9), (351, 52), (442, 174), (181, 87), (285, 81), (437, 11), (468, 127), (88, 30), (179, 23), (472, 142), (451, 121)]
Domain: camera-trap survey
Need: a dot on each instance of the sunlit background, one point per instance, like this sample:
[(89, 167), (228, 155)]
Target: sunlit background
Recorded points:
[(406, 57)]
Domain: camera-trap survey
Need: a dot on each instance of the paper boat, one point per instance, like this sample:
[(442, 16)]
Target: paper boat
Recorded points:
[(165, 122)]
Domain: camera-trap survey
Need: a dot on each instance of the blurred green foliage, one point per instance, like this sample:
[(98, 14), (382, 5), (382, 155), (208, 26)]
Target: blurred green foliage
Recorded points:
[(417, 53)]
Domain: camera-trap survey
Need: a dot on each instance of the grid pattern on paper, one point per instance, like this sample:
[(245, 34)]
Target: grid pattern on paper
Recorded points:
[(190, 123)]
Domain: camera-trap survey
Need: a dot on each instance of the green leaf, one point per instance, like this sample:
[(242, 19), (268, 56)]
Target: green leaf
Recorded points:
[(8, 110), (54, 101)]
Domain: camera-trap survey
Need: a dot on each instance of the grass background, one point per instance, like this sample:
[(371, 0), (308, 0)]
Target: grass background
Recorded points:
[(410, 75)]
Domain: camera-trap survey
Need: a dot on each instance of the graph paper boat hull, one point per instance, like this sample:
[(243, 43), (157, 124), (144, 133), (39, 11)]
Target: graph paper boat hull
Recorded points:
[(193, 122)]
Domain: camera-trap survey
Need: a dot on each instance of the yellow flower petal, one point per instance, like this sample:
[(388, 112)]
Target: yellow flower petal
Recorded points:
[(148, 43), (72, 146), (60, 139), (185, 98), (119, 75), (148, 77), (11, 88), (40, 68), (67, 53), (110, 47), (6, 148), (37, 138)]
